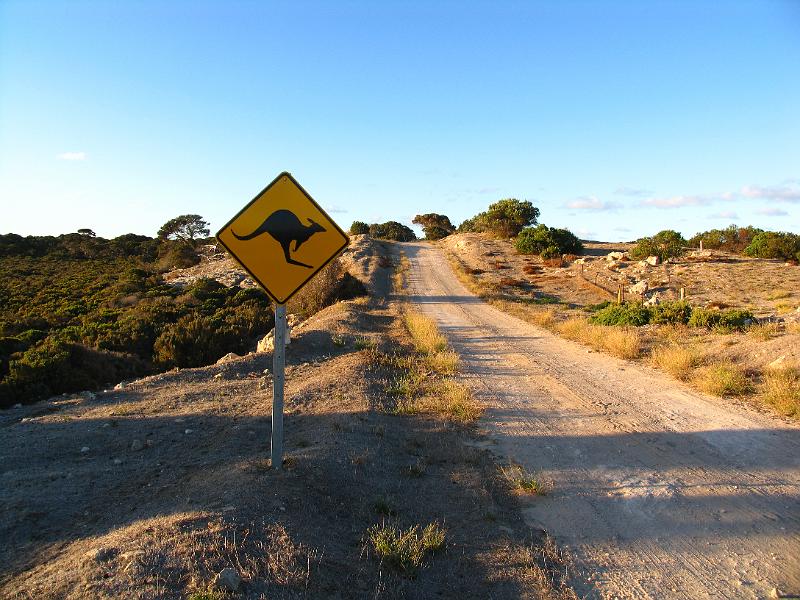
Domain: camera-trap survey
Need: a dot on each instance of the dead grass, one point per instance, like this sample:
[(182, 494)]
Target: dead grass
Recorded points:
[(779, 294), (425, 382), (677, 360), (424, 333), (622, 342), (452, 399), (781, 389), (764, 332), (723, 378)]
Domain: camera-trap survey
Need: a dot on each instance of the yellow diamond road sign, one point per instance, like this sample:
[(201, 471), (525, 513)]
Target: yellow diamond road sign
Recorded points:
[(282, 238)]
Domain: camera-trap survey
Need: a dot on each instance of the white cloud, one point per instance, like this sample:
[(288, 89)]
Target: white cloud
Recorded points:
[(677, 201), (777, 193), (337, 209), (772, 212), (629, 191), (72, 156), (725, 214), (591, 203)]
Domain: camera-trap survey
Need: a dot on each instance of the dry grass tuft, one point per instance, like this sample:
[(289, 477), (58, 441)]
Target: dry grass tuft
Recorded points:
[(405, 550), (623, 342), (544, 318), (781, 389), (764, 332), (779, 294), (452, 399), (445, 362), (424, 333), (522, 481), (723, 378), (678, 361)]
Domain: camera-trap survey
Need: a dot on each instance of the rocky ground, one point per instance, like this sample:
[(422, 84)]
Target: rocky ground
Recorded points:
[(161, 487)]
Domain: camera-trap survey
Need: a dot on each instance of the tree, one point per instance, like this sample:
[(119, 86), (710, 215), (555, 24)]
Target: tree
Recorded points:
[(547, 241), (505, 218), (392, 230), (775, 244), (665, 244), (185, 228), (88, 232), (435, 226), (358, 228)]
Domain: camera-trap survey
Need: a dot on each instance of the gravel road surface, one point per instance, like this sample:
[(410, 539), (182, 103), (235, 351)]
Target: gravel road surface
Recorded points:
[(658, 491)]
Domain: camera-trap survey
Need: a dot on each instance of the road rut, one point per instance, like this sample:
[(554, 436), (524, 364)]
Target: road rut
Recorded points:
[(658, 491)]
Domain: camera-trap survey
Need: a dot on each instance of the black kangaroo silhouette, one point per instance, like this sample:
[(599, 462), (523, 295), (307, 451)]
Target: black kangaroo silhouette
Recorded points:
[(284, 226)]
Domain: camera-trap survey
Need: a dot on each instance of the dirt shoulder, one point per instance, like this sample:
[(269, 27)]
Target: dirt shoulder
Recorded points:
[(150, 490), (658, 490)]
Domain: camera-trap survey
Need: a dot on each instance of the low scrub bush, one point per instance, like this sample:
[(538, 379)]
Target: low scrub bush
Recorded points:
[(665, 244), (733, 319), (622, 314)]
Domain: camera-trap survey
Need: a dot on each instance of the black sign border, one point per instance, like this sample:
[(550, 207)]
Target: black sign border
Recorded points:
[(318, 207)]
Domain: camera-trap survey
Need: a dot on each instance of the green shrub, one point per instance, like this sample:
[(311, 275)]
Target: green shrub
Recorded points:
[(176, 255), (730, 319), (671, 313), (549, 242), (665, 244), (771, 244), (622, 314), (54, 367)]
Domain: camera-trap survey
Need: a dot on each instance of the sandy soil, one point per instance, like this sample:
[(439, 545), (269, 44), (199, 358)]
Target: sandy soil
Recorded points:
[(659, 490), (149, 490)]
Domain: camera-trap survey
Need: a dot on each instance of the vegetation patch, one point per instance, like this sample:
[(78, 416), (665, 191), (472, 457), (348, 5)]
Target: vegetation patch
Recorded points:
[(781, 389), (405, 549), (723, 379), (522, 481), (677, 360)]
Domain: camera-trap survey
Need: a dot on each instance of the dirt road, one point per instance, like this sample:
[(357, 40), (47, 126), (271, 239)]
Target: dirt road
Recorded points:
[(659, 491)]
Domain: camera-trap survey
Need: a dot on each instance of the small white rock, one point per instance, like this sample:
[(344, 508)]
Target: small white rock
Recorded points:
[(84, 450), (228, 579)]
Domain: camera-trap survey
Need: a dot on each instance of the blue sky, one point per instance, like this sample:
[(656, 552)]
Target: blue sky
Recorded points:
[(616, 119)]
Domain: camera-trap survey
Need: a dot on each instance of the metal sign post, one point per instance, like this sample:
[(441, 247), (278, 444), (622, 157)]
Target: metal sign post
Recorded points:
[(282, 238), (278, 363)]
